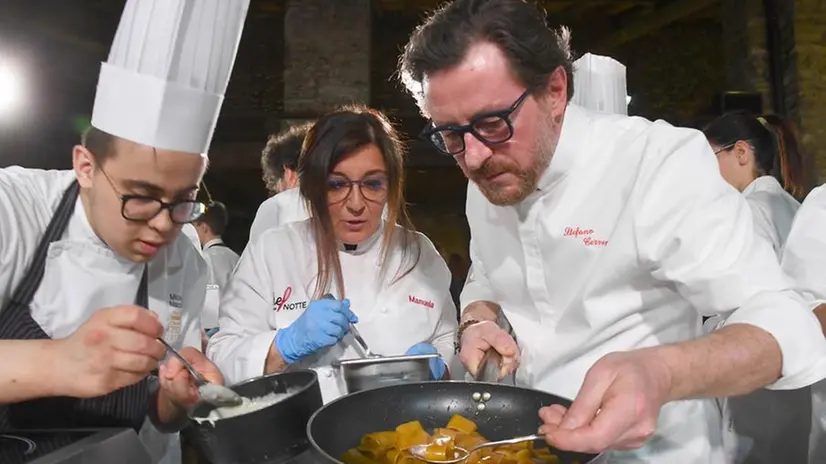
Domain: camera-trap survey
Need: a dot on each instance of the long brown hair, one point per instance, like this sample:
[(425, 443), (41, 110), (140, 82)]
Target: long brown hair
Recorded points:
[(777, 149), (331, 138)]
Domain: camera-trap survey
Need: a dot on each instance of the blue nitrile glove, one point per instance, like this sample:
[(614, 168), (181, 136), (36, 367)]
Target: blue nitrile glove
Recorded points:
[(437, 365), (211, 332), (323, 324)]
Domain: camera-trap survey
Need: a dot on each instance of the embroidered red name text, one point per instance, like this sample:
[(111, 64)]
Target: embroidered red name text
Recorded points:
[(585, 234), (418, 301)]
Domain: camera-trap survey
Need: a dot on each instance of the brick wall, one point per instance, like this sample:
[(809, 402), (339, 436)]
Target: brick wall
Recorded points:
[(674, 73), (802, 56), (327, 57), (257, 78), (788, 58), (744, 44), (810, 39)]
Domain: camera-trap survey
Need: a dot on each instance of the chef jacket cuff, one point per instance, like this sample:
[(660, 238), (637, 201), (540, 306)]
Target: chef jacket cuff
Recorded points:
[(256, 357), (813, 304), (474, 292), (797, 332)]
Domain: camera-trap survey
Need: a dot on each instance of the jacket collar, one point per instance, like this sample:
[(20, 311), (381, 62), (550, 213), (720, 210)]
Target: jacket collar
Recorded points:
[(576, 131), (366, 245)]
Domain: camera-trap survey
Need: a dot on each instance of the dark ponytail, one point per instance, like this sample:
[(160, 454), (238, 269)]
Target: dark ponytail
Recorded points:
[(777, 149)]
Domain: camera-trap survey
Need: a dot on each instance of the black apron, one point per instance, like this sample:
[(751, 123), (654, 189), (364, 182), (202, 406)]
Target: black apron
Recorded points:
[(124, 408)]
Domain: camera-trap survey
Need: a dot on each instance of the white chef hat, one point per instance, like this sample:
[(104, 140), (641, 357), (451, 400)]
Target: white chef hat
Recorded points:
[(599, 84), (167, 72)]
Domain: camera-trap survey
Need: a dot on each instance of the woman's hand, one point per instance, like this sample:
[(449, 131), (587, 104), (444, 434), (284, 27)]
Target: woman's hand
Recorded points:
[(323, 324), (437, 365)]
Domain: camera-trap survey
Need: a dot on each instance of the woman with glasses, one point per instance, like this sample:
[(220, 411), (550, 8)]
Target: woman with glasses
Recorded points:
[(386, 278), (762, 158)]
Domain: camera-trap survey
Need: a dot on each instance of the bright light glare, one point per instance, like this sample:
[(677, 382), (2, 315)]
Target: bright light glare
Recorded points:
[(628, 99), (10, 88)]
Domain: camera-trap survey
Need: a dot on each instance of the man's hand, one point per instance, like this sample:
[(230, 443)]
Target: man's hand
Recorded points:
[(115, 348), (616, 408), (177, 385), (479, 338)]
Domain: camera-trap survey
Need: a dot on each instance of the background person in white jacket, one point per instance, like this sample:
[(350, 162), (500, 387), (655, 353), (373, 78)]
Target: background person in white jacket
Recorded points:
[(762, 158), (279, 161), (219, 257), (804, 260), (604, 239), (390, 280)]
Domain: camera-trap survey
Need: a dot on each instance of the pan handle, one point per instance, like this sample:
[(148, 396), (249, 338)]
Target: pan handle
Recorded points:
[(489, 367)]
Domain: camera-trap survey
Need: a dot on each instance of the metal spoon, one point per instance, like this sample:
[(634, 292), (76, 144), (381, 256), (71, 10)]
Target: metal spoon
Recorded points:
[(356, 334), (212, 393), (460, 454), (362, 343)]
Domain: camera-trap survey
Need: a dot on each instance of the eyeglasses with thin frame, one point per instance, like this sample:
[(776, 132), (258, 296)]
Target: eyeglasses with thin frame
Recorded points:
[(142, 208), (372, 188), (725, 148), (491, 128)]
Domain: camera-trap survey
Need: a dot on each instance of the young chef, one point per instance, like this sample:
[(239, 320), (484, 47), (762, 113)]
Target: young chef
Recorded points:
[(279, 160), (84, 252), (391, 282), (604, 239), (219, 257), (803, 260), (760, 156)]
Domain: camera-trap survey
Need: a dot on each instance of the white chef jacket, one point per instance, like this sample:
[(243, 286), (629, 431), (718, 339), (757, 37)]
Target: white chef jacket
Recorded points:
[(192, 235), (282, 208), (83, 275), (631, 236), (768, 425), (773, 209), (275, 281), (804, 260), (221, 261)]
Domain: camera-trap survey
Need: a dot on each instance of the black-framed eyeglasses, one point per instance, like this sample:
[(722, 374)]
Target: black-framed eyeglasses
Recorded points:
[(139, 208), (490, 128), (372, 189), (143, 208)]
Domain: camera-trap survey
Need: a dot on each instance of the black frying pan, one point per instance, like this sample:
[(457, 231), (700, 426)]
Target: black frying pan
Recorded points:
[(510, 412)]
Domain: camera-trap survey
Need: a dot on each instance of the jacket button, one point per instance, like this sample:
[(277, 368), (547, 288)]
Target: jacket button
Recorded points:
[(329, 374), (383, 310)]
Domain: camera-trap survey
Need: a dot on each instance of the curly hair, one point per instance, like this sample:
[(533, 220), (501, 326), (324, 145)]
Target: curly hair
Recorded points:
[(281, 153)]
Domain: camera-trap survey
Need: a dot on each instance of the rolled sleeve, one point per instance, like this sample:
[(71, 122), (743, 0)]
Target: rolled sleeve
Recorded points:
[(786, 317), (697, 233), (804, 256)]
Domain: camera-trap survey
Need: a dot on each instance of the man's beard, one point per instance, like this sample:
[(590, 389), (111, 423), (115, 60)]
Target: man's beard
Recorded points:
[(527, 179)]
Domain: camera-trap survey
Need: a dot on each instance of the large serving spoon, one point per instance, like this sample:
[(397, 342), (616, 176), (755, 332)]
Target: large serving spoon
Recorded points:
[(461, 454), (212, 393)]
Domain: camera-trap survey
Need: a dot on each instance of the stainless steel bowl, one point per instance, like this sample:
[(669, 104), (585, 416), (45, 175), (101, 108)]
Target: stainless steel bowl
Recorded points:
[(368, 373)]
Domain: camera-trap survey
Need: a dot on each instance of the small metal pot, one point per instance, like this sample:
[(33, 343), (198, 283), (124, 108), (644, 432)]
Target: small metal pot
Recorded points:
[(274, 434), (368, 373)]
